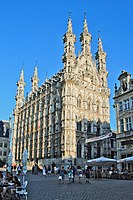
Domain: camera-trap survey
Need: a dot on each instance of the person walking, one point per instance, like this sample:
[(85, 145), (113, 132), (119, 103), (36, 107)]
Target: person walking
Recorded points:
[(33, 169), (19, 168), (36, 169), (69, 173), (73, 173), (49, 170), (55, 170), (62, 174), (44, 171), (87, 174), (80, 174)]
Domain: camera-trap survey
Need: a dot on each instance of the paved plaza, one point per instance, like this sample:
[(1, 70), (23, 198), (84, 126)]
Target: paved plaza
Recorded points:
[(49, 188)]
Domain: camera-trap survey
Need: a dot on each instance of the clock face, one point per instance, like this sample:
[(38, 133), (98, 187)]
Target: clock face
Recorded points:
[(124, 85)]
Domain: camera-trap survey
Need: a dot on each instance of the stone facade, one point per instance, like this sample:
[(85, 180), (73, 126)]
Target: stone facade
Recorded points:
[(4, 140), (55, 119), (123, 102)]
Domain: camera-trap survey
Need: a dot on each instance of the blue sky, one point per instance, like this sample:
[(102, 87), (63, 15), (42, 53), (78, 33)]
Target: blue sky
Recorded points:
[(32, 30)]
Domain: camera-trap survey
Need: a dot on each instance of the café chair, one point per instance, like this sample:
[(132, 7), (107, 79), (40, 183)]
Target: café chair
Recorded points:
[(22, 190)]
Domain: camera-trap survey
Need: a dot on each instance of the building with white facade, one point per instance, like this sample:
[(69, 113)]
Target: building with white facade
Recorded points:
[(123, 102)]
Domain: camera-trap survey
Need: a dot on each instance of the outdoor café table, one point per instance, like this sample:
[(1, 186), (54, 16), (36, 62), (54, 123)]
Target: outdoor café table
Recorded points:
[(9, 185)]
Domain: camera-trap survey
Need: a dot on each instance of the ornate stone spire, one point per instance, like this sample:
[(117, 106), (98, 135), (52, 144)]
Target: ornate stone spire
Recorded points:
[(20, 91), (100, 56), (101, 63), (35, 80), (85, 29), (69, 26), (100, 46), (85, 39), (22, 75), (69, 40)]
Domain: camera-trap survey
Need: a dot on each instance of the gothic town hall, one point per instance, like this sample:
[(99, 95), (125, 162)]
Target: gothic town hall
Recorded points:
[(55, 119)]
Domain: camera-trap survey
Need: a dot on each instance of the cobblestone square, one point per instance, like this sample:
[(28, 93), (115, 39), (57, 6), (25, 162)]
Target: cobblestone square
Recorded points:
[(49, 188)]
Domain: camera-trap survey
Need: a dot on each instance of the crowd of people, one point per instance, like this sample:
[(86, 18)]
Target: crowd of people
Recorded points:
[(63, 173)]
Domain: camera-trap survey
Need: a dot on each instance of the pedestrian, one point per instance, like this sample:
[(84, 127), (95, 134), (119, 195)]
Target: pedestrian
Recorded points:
[(62, 174), (87, 174), (19, 169), (14, 167), (55, 170), (44, 170), (33, 169), (49, 170), (80, 174), (36, 169), (73, 173)]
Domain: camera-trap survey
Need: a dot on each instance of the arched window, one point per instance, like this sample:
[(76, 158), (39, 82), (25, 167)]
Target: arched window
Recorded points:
[(78, 149)]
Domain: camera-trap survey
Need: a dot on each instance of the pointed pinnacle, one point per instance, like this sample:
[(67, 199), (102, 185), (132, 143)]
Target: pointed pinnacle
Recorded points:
[(100, 46), (85, 29), (22, 75), (69, 27), (35, 72)]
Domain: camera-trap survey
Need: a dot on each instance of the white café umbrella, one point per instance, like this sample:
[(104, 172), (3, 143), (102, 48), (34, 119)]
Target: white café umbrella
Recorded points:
[(9, 162), (128, 159), (25, 156), (101, 161), (24, 162)]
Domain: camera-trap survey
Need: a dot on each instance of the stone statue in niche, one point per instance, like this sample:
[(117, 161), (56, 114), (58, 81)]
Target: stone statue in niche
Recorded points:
[(124, 85)]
